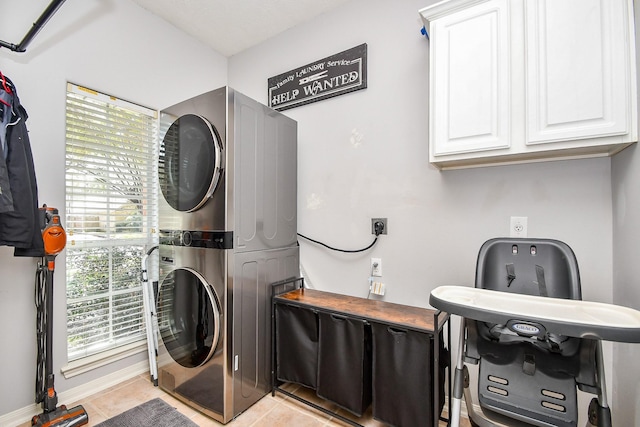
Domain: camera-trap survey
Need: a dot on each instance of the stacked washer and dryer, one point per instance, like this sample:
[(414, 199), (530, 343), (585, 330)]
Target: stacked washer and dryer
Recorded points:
[(227, 217)]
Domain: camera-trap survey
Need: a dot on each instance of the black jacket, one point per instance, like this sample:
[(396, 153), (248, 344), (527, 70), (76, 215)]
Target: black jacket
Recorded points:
[(20, 228)]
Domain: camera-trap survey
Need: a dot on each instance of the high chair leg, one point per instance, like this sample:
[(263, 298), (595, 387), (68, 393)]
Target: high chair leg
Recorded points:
[(458, 380), (599, 412)]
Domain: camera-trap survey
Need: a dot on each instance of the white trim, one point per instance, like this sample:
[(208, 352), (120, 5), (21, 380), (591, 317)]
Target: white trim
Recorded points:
[(443, 8), (86, 364), (22, 415)]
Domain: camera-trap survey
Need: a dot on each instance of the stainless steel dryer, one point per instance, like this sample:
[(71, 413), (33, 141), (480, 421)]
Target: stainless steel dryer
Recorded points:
[(229, 163), (227, 170)]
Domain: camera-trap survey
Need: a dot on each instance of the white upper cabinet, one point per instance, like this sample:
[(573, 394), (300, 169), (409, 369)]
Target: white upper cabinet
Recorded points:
[(530, 80), (578, 69), (471, 57)]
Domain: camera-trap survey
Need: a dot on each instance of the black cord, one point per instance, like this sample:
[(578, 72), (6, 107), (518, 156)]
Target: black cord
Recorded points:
[(340, 250)]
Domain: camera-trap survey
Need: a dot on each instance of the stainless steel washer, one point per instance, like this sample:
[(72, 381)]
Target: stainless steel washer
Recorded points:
[(190, 322), (215, 326)]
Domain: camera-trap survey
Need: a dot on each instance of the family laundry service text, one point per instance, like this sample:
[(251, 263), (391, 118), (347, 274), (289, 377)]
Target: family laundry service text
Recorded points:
[(340, 73)]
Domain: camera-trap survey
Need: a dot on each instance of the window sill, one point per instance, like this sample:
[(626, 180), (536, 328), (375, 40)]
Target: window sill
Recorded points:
[(86, 364)]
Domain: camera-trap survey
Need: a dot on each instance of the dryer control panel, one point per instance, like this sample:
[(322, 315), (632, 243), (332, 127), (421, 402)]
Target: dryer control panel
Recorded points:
[(197, 239)]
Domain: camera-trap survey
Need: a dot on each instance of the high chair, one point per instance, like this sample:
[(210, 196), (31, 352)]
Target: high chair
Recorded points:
[(534, 341)]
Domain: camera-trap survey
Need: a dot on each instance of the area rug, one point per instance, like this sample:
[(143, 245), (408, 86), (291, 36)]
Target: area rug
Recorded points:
[(154, 413)]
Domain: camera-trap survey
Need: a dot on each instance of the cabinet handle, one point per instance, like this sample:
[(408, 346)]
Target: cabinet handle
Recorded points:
[(338, 318)]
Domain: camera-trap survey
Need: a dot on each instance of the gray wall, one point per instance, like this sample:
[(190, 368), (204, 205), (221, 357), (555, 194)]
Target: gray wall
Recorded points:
[(112, 46), (361, 155), (364, 155), (625, 171)]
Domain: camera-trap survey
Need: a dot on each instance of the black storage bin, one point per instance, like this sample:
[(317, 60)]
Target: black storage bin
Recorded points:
[(297, 345), (403, 377), (344, 362)]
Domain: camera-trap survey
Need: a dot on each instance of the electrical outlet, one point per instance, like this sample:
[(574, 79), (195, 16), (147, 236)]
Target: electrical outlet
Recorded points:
[(376, 267), (380, 222), (518, 227)]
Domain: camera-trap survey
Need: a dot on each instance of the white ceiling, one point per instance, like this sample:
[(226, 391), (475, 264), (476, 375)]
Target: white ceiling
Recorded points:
[(231, 26)]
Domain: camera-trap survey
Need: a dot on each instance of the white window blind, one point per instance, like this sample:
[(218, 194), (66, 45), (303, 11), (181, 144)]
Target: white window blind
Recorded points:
[(111, 214)]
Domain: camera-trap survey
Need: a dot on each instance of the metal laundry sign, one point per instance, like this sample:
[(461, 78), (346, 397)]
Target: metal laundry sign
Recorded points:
[(332, 76)]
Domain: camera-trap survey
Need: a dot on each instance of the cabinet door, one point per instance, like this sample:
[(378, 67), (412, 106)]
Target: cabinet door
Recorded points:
[(470, 90), (578, 71)]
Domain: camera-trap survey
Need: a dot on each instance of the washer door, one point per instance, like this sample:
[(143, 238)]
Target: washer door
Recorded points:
[(188, 317), (189, 165)]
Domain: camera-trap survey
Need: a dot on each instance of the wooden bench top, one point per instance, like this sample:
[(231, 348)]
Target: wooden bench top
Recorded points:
[(404, 316)]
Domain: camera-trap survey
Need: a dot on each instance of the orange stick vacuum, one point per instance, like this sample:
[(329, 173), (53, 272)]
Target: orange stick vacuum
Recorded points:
[(55, 239)]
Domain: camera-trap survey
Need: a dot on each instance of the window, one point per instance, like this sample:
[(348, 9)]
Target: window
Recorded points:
[(111, 193)]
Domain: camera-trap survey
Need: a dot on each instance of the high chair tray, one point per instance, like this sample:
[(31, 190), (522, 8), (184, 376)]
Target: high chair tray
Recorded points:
[(575, 318)]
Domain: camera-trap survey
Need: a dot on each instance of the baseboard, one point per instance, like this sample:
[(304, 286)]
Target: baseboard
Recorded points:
[(22, 415)]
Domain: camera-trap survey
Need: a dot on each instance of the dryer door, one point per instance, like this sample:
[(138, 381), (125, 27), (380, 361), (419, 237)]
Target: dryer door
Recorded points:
[(190, 163), (188, 317)]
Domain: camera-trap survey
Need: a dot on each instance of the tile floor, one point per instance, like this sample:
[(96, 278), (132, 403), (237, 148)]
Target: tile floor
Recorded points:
[(279, 410)]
